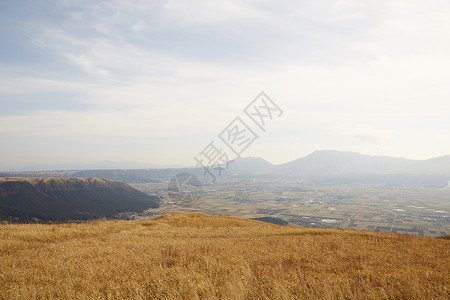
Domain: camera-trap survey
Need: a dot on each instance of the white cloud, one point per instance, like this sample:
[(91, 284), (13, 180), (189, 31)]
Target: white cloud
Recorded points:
[(35, 85), (86, 64), (131, 123), (366, 135), (204, 12), (140, 25)]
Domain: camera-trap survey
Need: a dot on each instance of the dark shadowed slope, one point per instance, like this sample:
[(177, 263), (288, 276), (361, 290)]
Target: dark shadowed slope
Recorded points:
[(61, 199)]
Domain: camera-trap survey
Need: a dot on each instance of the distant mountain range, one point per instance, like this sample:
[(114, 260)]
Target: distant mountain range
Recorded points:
[(337, 167), (329, 166), (323, 167), (330, 162)]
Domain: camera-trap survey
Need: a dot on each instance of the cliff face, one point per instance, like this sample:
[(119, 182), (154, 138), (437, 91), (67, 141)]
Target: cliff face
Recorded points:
[(9, 185), (61, 199)]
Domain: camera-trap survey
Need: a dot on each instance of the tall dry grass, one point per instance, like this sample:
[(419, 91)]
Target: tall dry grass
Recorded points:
[(195, 256)]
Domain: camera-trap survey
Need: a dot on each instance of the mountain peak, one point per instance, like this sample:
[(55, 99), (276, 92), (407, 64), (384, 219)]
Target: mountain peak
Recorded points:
[(338, 163)]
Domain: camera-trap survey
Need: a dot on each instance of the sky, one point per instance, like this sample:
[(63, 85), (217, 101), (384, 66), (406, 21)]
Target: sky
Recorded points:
[(157, 81)]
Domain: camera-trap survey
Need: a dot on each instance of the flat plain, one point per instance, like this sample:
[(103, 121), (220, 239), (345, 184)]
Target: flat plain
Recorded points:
[(407, 210)]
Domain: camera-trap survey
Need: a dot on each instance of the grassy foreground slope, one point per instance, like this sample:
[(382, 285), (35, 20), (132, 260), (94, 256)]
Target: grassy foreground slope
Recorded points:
[(196, 256)]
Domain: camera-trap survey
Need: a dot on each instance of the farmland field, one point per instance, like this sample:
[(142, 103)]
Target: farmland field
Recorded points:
[(409, 210)]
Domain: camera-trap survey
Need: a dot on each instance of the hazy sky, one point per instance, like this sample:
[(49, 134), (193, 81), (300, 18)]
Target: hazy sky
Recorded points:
[(156, 81)]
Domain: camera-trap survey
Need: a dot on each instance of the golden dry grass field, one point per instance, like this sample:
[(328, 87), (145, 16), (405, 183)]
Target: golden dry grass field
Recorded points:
[(196, 256)]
